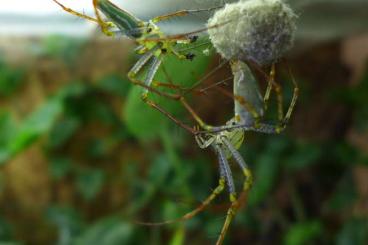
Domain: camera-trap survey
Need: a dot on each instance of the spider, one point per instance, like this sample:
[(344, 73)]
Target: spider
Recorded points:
[(152, 43), (249, 112)]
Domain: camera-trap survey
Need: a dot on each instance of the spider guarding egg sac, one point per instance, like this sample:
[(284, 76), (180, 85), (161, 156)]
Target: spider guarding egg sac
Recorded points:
[(257, 30)]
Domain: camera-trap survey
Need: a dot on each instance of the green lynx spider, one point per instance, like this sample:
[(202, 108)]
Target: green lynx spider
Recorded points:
[(152, 43), (225, 140)]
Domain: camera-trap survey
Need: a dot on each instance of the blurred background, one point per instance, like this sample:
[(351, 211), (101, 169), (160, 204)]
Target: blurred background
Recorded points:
[(82, 158)]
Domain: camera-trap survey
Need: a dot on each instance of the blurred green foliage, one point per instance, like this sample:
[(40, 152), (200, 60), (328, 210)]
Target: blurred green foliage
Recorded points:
[(10, 79), (118, 161)]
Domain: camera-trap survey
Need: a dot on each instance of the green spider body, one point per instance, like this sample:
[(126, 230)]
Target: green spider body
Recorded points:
[(152, 42), (235, 136), (246, 87), (135, 28)]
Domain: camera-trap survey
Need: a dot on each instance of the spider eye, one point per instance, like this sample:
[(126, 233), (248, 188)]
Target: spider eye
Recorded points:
[(149, 30), (163, 50)]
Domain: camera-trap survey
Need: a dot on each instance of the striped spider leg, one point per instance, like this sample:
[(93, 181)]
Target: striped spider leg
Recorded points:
[(225, 144)]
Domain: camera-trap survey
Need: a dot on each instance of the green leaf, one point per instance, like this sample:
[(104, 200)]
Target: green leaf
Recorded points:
[(157, 175), (63, 47), (10, 79), (354, 232), (265, 175), (60, 167), (344, 195), (303, 233), (68, 221), (110, 231), (38, 123), (303, 155), (62, 131), (114, 84), (179, 236), (6, 230), (90, 182), (266, 168), (159, 170), (141, 120), (7, 128)]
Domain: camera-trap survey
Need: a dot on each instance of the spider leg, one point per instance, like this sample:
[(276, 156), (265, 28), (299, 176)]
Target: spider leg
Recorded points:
[(207, 127), (267, 94), (244, 103), (146, 85), (73, 12), (225, 170), (267, 128), (210, 128), (169, 115), (204, 143), (105, 26), (235, 203), (240, 161), (153, 67), (278, 90), (155, 64), (283, 119), (181, 13), (225, 178), (293, 99)]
